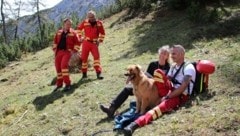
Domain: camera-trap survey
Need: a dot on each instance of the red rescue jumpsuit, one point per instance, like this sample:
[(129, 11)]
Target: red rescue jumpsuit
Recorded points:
[(162, 82), (71, 44), (165, 106), (92, 36)]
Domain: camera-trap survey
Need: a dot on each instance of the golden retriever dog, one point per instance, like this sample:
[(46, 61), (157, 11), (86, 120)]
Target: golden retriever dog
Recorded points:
[(144, 89)]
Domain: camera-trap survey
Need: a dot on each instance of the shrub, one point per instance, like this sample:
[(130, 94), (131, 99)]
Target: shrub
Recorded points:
[(194, 12), (177, 4), (3, 58)]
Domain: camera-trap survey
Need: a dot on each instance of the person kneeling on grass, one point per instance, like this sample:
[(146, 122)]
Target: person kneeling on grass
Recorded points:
[(182, 88)]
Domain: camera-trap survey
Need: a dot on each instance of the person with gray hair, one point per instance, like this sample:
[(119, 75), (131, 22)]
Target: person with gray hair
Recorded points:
[(92, 33), (162, 63)]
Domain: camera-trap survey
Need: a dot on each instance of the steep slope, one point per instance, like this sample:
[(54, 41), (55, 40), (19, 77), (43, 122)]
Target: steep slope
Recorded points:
[(28, 106)]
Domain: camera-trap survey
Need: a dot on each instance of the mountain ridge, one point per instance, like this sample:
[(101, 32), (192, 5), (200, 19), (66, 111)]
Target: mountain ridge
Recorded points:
[(65, 8)]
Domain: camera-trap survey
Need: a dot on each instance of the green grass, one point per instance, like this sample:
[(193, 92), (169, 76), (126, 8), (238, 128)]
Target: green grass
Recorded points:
[(28, 106)]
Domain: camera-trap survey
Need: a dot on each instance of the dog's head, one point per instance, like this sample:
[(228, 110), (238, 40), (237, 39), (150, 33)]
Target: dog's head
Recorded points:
[(133, 72)]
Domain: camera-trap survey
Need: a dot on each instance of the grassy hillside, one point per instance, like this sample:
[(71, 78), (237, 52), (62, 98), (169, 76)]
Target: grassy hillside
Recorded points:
[(28, 106)]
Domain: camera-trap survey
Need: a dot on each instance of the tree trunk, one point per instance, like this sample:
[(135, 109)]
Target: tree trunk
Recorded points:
[(39, 22), (3, 23), (18, 16)]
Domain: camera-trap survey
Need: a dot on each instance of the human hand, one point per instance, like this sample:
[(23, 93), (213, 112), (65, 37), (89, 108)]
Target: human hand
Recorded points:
[(81, 39), (164, 98), (97, 43)]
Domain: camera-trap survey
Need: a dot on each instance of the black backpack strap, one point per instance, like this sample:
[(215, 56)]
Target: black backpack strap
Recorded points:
[(174, 81)]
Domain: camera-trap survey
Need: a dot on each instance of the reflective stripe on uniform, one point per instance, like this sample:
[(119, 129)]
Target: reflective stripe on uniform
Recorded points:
[(70, 34), (84, 65), (88, 38), (155, 112), (86, 24), (96, 63), (65, 72), (76, 47), (158, 75), (158, 79), (59, 75)]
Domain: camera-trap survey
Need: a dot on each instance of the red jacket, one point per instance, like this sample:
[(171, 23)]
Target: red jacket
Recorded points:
[(91, 33), (72, 40)]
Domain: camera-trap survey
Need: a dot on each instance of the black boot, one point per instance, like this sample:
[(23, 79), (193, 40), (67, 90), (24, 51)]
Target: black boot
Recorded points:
[(109, 111), (128, 130), (99, 76), (57, 88), (84, 75), (67, 88)]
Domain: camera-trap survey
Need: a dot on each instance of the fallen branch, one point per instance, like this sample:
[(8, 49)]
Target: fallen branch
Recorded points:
[(21, 117), (15, 122)]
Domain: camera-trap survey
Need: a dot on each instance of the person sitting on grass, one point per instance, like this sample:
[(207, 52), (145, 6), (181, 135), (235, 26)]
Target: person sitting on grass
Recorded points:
[(182, 88), (162, 63)]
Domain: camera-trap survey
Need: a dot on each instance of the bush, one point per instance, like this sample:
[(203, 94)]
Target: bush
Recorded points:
[(194, 12), (177, 4), (3, 58), (137, 4), (13, 51), (8, 53), (198, 14)]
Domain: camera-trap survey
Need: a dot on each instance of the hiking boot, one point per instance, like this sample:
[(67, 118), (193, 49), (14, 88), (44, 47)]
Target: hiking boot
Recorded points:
[(109, 111), (67, 88), (57, 88), (99, 76), (129, 129), (84, 76)]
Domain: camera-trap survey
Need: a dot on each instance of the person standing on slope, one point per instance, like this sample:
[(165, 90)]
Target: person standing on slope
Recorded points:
[(92, 33), (66, 42)]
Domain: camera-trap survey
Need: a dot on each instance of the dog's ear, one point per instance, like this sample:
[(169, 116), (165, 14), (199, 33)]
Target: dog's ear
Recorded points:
[(138, 67), (129, 68)]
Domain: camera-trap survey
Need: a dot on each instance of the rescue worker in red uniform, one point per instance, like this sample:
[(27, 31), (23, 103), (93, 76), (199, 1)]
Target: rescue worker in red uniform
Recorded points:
[(182, 88), (92, 33), (66, 42)]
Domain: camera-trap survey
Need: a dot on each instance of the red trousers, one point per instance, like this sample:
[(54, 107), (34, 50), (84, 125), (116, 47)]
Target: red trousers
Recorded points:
[(61, 64), (165, 106), (88, 47)]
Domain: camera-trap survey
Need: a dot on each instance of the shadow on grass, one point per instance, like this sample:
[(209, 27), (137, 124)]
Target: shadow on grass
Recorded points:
[(207, 95), (169, 27), (130, 14), (40, 102), (106, 119)]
